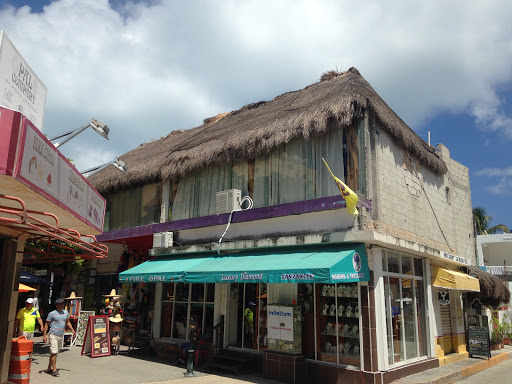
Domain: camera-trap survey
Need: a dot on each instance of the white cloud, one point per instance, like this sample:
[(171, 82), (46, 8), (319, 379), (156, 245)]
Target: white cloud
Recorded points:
[(503, 187), (492, 172), (149, 68)]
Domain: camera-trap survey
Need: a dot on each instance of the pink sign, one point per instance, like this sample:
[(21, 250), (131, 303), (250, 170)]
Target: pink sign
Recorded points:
[(44, 169)]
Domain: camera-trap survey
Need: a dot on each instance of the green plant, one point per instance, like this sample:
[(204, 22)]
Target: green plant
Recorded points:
[(499, 330)]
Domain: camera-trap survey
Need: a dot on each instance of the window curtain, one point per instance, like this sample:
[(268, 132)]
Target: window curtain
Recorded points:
[(196, 194), (295, 171), (124, 211)]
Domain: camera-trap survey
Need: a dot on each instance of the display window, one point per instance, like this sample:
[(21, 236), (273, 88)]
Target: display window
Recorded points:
[(187, 310), (338, 323), (404, 294)]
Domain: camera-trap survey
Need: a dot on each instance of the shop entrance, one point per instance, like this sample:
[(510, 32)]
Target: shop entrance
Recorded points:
[(243, 315)]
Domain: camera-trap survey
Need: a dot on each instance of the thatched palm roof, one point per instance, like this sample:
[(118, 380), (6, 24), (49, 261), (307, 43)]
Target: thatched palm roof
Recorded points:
[(257, 128), (493, 291)]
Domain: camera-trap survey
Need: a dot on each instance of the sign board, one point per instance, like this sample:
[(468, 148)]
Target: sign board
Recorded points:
[(478, 340), (97, 337), (459, 259), (20, 88), (44, 169), (280, 322), (81, 327)]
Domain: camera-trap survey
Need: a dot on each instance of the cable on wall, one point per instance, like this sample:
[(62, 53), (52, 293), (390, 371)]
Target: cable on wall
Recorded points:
[(249, 206)]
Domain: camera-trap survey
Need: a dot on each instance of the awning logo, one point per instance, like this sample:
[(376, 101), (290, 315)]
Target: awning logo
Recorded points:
[(356, 262)]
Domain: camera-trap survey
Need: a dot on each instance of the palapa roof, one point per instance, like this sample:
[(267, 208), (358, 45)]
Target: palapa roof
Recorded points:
[(493, 291), (259, 127)]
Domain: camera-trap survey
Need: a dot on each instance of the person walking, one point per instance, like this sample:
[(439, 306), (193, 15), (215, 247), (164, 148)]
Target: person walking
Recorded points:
[(26, 320), (56, 322)]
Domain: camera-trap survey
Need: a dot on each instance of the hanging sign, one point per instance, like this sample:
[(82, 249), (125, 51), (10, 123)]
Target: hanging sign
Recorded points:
[(479, 344), (443, 297), (97, 337)]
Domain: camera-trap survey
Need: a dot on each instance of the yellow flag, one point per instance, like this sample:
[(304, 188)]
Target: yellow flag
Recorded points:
[(350, 197)]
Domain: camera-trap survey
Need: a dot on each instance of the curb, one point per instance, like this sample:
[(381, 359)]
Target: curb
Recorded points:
[(459, 374)]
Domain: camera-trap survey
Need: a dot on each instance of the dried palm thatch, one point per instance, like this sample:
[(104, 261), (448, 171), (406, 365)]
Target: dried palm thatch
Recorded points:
[(259, 127), (493, 291)]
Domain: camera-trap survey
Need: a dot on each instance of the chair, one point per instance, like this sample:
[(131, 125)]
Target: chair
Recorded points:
[(202, 351), (180, 329)]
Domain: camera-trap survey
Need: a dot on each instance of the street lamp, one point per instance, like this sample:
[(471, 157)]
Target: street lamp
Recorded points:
[(118, 163), (98, 125)]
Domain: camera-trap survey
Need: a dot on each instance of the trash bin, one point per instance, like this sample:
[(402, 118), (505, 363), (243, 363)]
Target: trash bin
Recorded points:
[(21, 360)]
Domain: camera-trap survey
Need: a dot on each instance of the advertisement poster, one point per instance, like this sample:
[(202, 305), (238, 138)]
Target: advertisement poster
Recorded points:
[(97, 337), (280, 322)]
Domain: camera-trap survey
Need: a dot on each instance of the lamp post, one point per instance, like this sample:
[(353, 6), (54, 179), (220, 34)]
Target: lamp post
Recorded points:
[(118, 163), (99, 126)]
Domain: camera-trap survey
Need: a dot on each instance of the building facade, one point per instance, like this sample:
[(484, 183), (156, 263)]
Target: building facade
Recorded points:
[(335, 295)]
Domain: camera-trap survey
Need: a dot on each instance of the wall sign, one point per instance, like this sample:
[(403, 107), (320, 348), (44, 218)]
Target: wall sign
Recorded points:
[(97, 337), (44, 169), (20, 88), (459, 259), (443, 297)]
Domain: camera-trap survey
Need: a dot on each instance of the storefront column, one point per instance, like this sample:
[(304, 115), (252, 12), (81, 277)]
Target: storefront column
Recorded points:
[(368, 326), (157, 317), (9, 280)]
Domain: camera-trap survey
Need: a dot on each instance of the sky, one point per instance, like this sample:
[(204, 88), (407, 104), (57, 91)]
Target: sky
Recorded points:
[(146, 68)]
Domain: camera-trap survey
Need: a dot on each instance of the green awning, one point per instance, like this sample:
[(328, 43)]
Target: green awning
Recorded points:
[(304, 264), (160, 270), (331, 264)]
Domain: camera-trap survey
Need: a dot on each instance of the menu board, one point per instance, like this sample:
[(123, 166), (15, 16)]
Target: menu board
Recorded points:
[(81, 327), (97, 337), (479, 341)]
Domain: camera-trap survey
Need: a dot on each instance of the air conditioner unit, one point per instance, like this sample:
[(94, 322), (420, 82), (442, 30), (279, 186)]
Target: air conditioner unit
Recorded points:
[(227, 201), (162, 240)]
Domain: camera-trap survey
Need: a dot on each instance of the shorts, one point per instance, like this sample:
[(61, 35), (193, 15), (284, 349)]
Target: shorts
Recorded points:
[(28, 335), (55, 343)]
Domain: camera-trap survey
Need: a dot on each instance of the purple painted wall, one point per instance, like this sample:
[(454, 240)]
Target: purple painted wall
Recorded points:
[(297, 208)]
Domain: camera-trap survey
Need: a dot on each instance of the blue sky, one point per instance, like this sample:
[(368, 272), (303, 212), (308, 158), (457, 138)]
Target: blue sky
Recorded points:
[(147, 68)]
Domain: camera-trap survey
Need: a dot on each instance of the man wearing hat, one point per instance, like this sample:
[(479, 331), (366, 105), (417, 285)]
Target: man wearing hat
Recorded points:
[(26, 320), (249, 323), (56, 322)]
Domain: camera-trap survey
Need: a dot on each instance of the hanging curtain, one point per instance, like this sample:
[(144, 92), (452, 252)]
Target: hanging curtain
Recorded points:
[(196, 194), (295, 171)]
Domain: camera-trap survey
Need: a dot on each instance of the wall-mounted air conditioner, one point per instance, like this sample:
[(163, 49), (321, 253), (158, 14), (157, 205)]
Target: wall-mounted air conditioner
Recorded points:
[(162, 240), (227, 201)]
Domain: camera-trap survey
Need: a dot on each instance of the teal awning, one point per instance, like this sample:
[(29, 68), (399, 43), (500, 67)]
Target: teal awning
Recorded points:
[(301, 265), (159, 270), (305, 264)]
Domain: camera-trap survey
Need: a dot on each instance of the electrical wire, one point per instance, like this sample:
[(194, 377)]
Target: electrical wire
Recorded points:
[(250, 205)]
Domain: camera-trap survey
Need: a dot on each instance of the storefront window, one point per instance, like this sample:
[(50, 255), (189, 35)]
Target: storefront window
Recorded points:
[(405, 307), (187, 310), (337, 323)]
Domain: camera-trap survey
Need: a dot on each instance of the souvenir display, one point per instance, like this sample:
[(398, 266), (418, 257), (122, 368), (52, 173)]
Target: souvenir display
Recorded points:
[(338, 319)]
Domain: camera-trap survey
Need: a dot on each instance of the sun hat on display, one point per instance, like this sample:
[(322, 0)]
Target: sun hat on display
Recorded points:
[(112, 294), (116, 319), (73, 296)]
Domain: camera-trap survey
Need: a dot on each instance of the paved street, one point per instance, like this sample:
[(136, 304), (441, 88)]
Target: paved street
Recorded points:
[(122, 369), (500, 373)]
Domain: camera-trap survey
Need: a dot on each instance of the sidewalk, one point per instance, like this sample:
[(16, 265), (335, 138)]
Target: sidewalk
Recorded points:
[(125, 368), (454, 372)]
